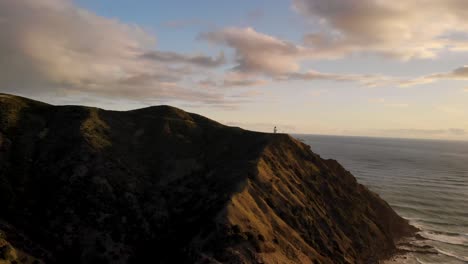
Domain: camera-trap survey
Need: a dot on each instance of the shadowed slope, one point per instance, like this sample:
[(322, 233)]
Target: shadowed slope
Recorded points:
[(119, 187)]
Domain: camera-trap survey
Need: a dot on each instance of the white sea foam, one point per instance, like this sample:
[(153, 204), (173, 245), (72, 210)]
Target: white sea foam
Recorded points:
[(423, 262), (449, 239), (451, 254), (438, 235)]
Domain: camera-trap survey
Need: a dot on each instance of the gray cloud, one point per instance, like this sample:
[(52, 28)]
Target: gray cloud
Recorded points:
[(256, 52), (343, 27), (197, 60), (258, 55), (389, 28), (460, 73), (55, 47), (364, 79), (232, 83), (244, 82), (233, 79)]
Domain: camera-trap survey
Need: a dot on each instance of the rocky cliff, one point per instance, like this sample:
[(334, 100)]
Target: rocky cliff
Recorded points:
[(85, 185)]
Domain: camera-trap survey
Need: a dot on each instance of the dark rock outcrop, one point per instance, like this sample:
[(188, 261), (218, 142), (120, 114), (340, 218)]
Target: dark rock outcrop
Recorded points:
[(85, 185)]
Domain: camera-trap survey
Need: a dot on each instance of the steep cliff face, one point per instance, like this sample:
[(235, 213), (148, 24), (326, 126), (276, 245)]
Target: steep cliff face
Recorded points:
[(85, 185)]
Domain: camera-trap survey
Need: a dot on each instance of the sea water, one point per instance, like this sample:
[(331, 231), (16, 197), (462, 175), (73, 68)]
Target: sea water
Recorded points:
[(425, 181)]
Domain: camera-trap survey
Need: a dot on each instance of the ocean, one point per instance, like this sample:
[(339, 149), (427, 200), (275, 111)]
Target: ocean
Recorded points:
[(425, 181)]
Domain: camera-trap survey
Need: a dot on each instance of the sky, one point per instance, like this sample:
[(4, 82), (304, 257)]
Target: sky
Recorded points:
[(337, 67)]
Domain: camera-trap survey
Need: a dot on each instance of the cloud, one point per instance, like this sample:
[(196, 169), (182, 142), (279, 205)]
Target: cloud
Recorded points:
[(460, 74), (197, 60), (257, 52), (259, 55), (402, 29), (238, 79), (244, 83), (53, 46), (248, 94), (233, 79), (344, 27), (364, 79)]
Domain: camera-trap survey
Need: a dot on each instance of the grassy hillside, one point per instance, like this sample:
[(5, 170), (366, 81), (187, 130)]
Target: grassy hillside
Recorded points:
[(85, 185)]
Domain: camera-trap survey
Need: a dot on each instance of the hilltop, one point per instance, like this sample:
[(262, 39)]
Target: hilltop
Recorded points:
[(86, 185)]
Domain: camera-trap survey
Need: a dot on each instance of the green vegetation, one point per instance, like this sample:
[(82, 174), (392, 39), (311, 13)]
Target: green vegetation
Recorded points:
[(95, 131), (10, 109)]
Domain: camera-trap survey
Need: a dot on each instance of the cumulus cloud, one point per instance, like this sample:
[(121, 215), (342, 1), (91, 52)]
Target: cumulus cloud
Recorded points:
[(398, 29), (257, 52), (403, 29), (55, 46)]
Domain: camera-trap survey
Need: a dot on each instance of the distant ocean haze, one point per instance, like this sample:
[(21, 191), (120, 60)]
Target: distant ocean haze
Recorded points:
[(425, 181)]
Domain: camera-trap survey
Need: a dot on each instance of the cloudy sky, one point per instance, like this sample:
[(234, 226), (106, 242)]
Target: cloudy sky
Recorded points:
[(341, 67)]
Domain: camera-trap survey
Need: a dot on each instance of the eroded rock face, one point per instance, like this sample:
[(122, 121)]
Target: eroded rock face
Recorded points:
[(121, 187)]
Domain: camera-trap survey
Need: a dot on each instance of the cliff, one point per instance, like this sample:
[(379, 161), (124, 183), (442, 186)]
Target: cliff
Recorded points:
[(85, 185)]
